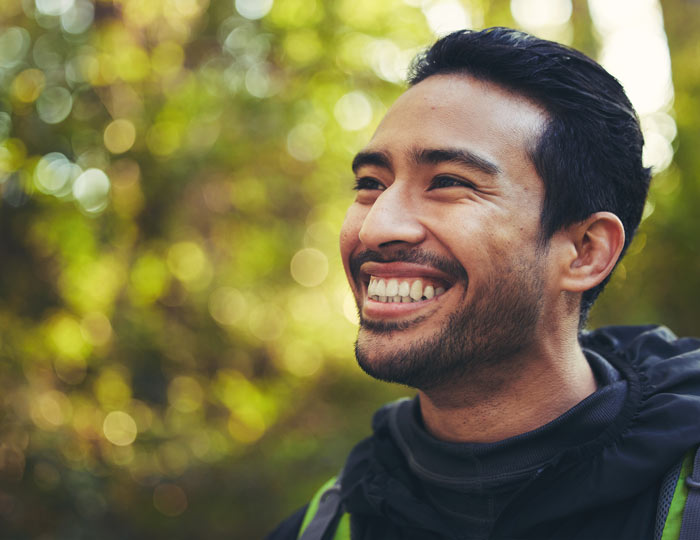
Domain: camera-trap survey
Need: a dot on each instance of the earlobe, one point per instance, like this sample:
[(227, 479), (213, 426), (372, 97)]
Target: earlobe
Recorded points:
[(594, 246)]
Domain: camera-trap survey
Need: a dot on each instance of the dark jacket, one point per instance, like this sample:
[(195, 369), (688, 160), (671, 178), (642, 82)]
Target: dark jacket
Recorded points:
[(603, 487)]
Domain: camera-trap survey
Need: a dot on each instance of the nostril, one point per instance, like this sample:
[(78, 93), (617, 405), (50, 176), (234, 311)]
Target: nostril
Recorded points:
[(391, 243)]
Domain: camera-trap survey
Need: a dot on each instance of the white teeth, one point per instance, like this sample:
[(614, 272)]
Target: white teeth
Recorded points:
[(416, 290), (380, 289), (393, 291)]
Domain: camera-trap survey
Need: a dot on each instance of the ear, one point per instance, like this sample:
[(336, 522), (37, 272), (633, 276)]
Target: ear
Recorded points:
[(592, 248)]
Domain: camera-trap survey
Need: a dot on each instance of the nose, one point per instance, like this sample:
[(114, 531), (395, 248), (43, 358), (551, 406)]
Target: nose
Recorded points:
[(393, 219)]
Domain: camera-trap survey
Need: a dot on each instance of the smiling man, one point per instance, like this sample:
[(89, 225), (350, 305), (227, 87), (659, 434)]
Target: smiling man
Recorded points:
[(493, 202)]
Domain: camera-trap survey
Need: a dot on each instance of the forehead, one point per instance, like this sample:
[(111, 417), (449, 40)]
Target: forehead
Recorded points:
[(448, 111)]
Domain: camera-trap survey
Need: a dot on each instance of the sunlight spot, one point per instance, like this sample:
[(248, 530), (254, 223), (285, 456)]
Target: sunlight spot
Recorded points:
[(445, 16), (91, 190), (538, 13), (253, 9), (306, 142), (350, 308), (309, 267), (353, 111), (634, 45), (119, 428), (119, 136), (631, 55), (54, 105), (53, 7), (387, 60), (658, 152)]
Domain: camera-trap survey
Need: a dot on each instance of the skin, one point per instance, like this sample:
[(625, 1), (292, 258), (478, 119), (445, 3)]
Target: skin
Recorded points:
[(472, 222)]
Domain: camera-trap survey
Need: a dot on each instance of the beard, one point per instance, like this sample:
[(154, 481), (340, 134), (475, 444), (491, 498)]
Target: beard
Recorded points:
[(478, 341)]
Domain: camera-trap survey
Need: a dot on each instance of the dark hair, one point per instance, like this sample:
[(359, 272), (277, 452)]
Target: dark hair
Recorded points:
[(589, 154)]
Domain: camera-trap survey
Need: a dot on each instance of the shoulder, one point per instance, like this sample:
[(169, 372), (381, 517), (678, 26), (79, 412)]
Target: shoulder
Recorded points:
[(662, 407), (640, 341), (655, 352)]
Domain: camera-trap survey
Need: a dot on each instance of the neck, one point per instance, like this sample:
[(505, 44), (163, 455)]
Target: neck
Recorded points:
[(508, 400)]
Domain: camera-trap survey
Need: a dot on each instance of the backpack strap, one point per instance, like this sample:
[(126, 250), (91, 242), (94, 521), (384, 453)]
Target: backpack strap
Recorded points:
[(667, 497), (690, 525), (323, 513), (678, 513)]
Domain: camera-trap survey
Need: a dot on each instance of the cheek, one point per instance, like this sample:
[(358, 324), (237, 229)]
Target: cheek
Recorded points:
[(461, 228), (349, 234)]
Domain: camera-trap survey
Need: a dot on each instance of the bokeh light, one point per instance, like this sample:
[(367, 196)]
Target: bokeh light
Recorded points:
[(54, 104), (53, 7), (227, 305), (185, 394), (634, 44), (353, 111), (350, 308), (388, 60), (537, 13), (78, 17), (253, 9), (119, 428), (91, 190), (309, 267), (14, 44), (306, 142), (55, 174), (445, 16), (188, 263), (119, 136), (28, 85)]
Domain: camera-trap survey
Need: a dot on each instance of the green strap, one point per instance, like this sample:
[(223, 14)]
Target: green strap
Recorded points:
[(690, 524), (342, 531), (672, 528), (313, 505)]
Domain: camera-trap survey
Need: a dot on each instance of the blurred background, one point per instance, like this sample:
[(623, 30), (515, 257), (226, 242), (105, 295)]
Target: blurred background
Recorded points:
[(175, 328)]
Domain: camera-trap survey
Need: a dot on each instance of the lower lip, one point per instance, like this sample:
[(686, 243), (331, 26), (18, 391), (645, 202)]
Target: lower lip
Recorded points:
[(376, 309)]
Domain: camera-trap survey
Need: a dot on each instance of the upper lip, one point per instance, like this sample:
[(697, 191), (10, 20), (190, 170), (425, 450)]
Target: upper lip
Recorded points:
[(401, 269)]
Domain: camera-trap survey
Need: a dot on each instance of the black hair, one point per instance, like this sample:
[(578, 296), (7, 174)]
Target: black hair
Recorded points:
[(589, 154)]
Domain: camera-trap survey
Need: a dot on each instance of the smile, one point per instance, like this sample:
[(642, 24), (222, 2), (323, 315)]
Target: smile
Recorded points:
[(398, 290)]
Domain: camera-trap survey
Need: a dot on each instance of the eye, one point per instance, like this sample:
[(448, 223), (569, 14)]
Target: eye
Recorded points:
[(367, 182), (444, 181)]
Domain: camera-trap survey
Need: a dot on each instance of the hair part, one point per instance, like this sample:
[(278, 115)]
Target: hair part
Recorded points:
[(589, 153)]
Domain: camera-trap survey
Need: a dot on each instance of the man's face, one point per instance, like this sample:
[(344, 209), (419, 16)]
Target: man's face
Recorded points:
[(441, 245)]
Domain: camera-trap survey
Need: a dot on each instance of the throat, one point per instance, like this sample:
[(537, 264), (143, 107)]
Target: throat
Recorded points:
[(493, 407)]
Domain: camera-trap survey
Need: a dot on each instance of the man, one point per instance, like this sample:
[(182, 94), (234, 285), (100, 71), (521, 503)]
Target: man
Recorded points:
[(493, 202)]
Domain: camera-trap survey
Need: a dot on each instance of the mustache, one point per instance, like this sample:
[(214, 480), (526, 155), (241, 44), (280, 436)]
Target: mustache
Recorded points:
[(416, 256)]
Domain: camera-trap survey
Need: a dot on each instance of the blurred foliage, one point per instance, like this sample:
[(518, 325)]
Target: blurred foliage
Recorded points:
[(175, 329)]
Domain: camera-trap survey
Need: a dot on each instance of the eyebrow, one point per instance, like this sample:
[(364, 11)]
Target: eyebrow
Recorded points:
[(435, 156), (429, 156), (377, 158)]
